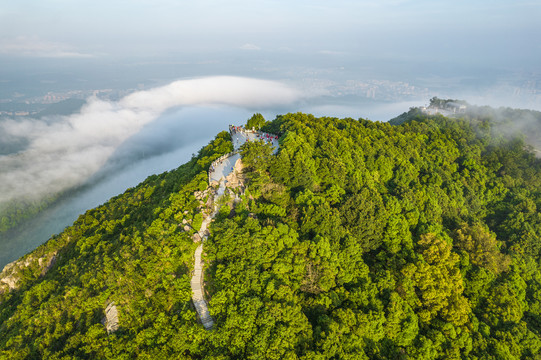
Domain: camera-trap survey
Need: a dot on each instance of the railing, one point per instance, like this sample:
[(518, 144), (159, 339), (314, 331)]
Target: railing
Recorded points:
[(251, 131), (222, 158), (242, 129)]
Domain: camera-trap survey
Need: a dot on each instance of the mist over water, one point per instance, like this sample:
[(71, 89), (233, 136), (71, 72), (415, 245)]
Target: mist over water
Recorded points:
[(63, 153), (143, 133), (112, 145), (375, 112), (160, 146)]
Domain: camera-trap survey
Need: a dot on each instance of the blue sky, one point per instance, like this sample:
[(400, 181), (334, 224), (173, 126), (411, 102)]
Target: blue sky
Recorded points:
[(111, 28), (485, 51)]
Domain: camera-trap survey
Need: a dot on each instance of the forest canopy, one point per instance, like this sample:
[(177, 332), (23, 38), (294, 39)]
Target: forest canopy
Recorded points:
[(358, 240)]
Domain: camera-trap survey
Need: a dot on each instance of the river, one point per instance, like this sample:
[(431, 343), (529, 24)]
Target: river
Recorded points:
[(177, 135), (164, 144)]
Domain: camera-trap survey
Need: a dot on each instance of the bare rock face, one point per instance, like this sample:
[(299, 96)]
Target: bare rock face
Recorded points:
[(9, 282), (236, 178), (12, 272), (210, 202), (200, 195), (110, 321), (46, 264)]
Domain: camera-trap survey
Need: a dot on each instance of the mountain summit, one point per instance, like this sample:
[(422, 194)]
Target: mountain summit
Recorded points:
[(327, 238)]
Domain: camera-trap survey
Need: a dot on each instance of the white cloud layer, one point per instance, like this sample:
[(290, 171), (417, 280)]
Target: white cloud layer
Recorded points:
[(64, 153)]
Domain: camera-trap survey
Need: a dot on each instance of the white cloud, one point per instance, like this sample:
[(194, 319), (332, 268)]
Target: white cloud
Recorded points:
[(64, 153), (230, 90), (250, 47)]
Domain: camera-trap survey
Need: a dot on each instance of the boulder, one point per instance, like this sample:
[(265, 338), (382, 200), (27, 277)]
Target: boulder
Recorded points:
[(110, 321), (45, 264), (10, 281)]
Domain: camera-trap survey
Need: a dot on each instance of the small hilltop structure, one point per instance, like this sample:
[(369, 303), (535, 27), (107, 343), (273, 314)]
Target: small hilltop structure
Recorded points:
[(445, 107)]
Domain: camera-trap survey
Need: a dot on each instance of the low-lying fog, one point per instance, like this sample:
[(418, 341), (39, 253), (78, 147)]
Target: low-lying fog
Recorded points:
[(160, 146), (109, 146)]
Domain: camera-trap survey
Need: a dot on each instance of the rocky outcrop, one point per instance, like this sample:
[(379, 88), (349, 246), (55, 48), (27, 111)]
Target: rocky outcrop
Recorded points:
[(11, 275), (110, 321), (236, 178), (46, 264), (8, 282), (202, 195)]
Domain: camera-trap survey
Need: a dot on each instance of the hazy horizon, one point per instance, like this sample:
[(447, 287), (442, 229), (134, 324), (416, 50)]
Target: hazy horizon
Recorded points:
[(484, 52), (137, 63)]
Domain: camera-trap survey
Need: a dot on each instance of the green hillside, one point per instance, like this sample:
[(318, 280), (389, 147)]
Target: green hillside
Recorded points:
[(358, 240)]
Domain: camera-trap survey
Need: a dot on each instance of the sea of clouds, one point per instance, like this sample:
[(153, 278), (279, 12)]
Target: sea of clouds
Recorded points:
[(63, 152)]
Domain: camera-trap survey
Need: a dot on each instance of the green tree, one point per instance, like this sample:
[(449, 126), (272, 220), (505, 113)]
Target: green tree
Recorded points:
[(482, 247), (257, 121), (439, 282)]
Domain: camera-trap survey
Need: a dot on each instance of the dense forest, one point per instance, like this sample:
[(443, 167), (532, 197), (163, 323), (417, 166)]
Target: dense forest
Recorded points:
[(358, 240)]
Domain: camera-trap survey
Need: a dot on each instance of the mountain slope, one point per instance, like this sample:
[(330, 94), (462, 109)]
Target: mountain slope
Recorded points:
[(357, 240), (131, 251)]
